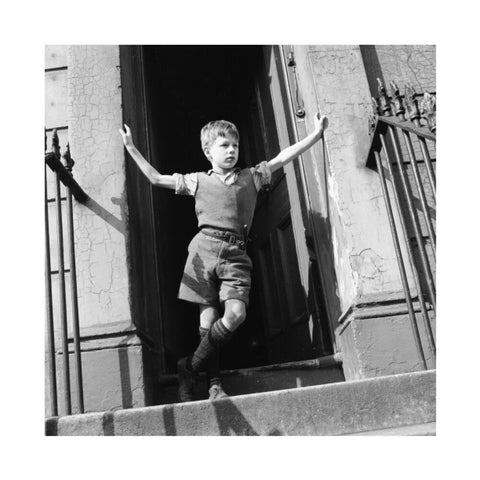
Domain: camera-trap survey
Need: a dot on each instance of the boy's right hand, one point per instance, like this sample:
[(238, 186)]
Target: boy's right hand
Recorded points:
[(126, 136), (320, 123)]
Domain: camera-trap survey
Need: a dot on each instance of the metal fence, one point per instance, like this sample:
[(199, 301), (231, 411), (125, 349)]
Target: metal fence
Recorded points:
[(61, 166), (403, 153)]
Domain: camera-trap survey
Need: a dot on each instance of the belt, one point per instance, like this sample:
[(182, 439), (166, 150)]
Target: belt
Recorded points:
[(231, 238)]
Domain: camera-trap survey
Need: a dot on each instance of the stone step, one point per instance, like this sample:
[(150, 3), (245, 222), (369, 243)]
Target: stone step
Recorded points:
[(344, 408), (267, 378), (424, 430)]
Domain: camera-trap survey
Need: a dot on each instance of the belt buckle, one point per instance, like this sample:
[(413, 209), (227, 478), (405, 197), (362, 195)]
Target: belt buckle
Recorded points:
[(232, 240)]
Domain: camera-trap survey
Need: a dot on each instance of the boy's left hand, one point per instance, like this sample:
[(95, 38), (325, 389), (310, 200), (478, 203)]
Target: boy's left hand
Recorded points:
[(320, 122)]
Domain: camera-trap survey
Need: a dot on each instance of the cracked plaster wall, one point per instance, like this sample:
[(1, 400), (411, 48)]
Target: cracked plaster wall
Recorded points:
[(94, 116), (414, 64), (381, 346), (364, 256), (114, 380)]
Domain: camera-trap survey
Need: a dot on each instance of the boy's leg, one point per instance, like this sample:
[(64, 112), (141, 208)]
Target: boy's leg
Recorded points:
[(208, 316), (219, 334), (235, 313)]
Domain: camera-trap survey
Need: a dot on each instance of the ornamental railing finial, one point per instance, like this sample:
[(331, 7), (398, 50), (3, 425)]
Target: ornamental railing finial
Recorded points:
[(397, 101), (385, 108), (412, 105), (428, 110)]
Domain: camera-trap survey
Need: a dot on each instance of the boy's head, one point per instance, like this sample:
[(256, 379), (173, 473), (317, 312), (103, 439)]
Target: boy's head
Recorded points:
[(217, 128), (220, 144)]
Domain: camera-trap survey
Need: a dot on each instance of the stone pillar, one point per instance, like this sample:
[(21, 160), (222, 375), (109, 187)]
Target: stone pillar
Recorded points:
[(373, 341), (112, 352)]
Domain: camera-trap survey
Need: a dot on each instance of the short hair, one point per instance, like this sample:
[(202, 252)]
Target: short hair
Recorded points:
[(217, 128)]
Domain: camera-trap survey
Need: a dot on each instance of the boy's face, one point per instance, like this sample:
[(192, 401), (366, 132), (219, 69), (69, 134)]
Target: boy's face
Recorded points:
[(223, 153)]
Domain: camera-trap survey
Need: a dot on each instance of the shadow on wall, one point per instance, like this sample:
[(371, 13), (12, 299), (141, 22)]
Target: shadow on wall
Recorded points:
[(125, 381), (322, 271), (374, 70), (118, 224)]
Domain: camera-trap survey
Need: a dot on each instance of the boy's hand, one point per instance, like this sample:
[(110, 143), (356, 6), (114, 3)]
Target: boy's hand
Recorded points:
[(126, 136), (320, 123)]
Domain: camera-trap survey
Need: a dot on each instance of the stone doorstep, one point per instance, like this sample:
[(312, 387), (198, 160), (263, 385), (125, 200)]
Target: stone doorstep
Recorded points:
[(377, 406), (267, 378)]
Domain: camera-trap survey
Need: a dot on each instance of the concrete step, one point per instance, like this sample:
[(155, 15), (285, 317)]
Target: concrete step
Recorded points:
[(383, 403), (267, 378), (424, 430)]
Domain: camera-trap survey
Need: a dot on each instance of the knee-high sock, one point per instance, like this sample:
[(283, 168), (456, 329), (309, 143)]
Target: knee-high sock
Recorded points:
[(217, 336), (212, 369)]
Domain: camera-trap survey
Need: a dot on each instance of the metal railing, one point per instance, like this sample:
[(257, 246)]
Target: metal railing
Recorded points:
[(402, 152), (62, 175)]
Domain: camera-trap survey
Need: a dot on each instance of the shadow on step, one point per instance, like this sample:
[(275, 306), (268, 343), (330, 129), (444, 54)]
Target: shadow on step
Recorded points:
[(230, 421)]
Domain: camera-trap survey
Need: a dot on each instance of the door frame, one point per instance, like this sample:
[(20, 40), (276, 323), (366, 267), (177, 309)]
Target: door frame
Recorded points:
[(290, 130), (144, 279), (286, 137), (144, 282)]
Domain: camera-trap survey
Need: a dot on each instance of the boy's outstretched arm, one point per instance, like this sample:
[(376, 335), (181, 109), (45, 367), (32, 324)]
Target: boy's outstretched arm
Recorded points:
[(293, 151), (154, 177)]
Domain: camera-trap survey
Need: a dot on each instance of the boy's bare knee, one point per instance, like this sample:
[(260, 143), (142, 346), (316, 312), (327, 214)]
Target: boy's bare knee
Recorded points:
[(208, 316), (235, 313)]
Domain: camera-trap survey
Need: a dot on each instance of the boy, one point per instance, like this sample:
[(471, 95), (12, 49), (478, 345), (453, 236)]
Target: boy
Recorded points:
[(218, 268)]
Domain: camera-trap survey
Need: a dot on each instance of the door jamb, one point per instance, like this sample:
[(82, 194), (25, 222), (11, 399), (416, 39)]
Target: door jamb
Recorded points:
[(288, 132)]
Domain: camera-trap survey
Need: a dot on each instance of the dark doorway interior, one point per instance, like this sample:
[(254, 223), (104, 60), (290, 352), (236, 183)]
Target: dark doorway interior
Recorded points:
[(185, 87)]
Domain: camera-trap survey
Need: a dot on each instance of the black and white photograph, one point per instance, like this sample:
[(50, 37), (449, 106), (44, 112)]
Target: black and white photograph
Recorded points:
[(241, 239), (231, 258)]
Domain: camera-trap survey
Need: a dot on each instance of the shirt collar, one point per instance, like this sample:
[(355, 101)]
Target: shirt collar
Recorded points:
[(235, 170)]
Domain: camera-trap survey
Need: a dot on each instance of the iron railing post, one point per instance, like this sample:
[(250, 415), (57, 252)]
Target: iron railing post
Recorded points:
[(421, 191), (428, 165), (63, 176), (73, 286), (61, 278), (403, 225), (413, 216), (49, 310), (401, 265)]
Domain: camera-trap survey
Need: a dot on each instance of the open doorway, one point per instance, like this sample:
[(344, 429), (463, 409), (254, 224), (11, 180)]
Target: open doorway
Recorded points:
[(184, 87)]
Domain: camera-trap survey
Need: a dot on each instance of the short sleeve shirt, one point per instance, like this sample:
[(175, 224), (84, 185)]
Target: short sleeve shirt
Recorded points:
[(187, 184)]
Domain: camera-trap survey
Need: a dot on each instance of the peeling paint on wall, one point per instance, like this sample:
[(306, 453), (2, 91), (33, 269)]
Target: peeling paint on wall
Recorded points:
[(356, 206), (414, 64), (94, 116)]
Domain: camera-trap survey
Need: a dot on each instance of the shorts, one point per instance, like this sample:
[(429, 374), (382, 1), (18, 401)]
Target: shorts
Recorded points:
[(215, 271)]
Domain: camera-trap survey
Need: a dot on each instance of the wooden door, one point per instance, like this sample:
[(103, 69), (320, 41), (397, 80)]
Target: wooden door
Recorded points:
[(278, 243), (144, 284)]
